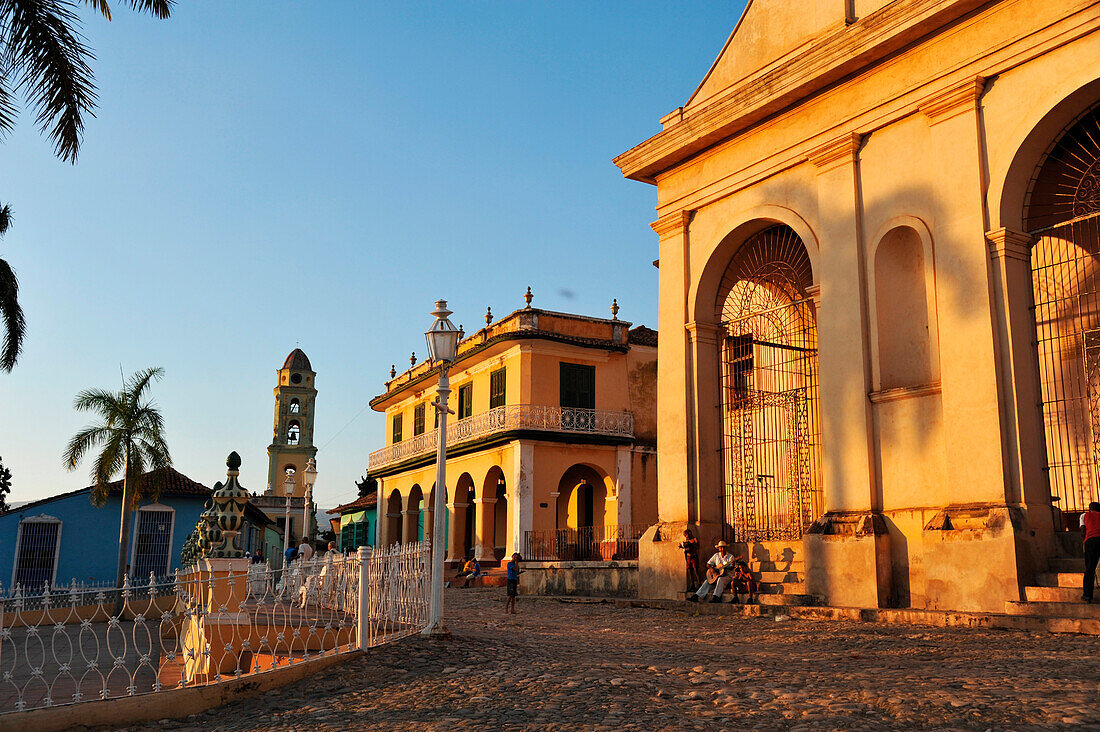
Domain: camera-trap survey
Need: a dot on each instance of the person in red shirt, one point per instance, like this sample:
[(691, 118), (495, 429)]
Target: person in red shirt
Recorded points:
[(1090, 525)]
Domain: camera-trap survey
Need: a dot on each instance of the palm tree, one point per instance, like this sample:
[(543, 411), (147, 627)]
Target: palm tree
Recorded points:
[(131, 433), (14, 325), (44, 58)]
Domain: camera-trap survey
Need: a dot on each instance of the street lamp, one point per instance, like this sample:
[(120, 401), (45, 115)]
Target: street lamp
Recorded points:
[(442, 340), (310, 475), (288, 486)]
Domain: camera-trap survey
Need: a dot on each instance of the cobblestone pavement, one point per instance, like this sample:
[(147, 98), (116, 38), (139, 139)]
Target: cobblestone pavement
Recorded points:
[(568, 666)]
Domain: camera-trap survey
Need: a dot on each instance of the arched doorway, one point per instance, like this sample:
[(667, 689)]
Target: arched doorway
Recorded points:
[(413, 524), (1063, 214), (582, 495), (769, 394), (492, 516), (464, 541), (393, 517)]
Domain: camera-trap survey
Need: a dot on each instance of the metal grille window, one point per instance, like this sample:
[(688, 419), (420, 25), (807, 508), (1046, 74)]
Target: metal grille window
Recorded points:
[(465, 401), (152, 543), (578, 385), (771, 438), (295, 406), (293, 433), (418, 420), (497, 385), (397, 420), (36, 554)]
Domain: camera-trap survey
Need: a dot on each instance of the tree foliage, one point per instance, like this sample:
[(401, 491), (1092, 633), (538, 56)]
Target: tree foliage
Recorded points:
[(5, 486), (15, 326)]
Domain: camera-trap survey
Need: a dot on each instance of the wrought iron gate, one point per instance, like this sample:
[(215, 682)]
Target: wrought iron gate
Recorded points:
[(769, 391), (1065, 264)]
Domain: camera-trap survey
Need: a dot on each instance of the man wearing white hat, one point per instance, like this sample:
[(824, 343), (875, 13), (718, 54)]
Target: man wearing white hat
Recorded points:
[(719, 570)]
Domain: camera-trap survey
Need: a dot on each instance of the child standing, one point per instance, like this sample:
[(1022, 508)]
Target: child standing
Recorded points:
[(513, 583), (690, 545)]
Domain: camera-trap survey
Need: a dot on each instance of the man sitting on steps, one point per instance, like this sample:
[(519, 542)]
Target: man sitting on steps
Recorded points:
[(719, 574)]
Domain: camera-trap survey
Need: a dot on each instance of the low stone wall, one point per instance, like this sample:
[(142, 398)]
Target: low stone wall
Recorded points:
[(590, 579)]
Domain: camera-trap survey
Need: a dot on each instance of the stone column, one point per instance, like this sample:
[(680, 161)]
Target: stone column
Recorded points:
[(455, 551), (380, 529), (409, 520), (521, 497), (973, 382), (484, 526), (847, 549), (623, 459), (707, 429)]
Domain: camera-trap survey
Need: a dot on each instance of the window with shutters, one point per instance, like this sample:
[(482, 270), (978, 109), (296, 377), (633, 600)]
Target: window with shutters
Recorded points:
[(578, 386), (418, 420), (36, 553), (497, 385), (397, 420), (465, 401)]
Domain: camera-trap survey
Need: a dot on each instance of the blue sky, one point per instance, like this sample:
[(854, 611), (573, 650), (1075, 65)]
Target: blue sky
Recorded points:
[(263, 174)]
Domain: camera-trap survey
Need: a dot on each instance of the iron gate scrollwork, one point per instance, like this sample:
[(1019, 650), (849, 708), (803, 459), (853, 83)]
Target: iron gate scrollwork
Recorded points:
[(769, 405)]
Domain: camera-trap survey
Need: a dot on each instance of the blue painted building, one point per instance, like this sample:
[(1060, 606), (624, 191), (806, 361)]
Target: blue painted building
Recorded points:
[(357, 522), (64, 538)]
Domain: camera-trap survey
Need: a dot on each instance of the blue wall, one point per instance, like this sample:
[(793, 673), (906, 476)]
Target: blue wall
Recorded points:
[(89, 535)]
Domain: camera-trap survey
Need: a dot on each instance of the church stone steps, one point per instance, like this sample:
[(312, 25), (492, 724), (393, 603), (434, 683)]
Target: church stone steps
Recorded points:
[(784, 599), (782, 588), (777, 576), (778, 552), (785, 567), (1062, 579), (1052, 594), (1066, 564), (1076, 609), (1053, 624)]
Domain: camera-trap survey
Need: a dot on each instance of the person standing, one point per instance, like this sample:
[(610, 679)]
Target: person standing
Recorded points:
[(690, 545), (305, 551), (513, 583), (1090, 525), (290, 554)]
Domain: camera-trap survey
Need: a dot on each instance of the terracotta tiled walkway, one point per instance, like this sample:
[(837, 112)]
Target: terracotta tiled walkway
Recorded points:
[(572, 666)]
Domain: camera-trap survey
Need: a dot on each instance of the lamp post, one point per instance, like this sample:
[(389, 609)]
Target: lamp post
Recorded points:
[(442, 340), (310, 475), (288, 486)]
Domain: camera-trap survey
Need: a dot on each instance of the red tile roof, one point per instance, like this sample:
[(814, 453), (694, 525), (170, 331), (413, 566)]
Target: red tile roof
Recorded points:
[(359, 504)]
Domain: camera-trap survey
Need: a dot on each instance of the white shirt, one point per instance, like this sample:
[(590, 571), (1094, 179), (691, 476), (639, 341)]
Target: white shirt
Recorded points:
[(305, 551), (720, 562)]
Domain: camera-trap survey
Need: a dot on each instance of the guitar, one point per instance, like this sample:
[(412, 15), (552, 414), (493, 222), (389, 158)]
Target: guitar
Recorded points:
[(713, 574)]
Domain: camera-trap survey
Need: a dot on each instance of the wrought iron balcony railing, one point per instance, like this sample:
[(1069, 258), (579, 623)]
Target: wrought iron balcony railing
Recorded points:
[(506, 418)]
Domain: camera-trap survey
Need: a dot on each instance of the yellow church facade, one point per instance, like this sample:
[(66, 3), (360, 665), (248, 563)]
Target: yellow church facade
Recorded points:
[(878, 296), (554, 428)]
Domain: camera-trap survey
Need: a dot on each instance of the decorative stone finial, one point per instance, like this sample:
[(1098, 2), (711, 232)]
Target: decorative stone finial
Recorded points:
[(528, 297), (614, 309), (209, 535), (461, 331), (488, 315), (393, 371), (412, 359), (229, 502)]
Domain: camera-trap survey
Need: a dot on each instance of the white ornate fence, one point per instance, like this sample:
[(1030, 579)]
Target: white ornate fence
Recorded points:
[(199, 627)]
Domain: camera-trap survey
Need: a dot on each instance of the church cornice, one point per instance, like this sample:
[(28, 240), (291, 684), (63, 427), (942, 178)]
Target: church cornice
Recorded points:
[(842, 53)]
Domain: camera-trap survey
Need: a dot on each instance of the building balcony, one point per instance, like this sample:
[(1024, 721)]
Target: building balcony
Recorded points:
[(509, 418)]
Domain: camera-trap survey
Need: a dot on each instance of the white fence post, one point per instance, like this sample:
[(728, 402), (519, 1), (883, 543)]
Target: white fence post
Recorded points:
[(364, 597)]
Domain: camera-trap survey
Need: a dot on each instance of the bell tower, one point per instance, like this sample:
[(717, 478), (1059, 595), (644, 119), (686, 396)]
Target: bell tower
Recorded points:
[(292, 438)]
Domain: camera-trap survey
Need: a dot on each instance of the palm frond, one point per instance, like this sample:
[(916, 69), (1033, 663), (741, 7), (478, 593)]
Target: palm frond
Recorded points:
[(135, 477), (108, 464), (83, 441), (6, 215), (157, 8), (51, 62), (140, 381), (8, 109), (101, 401), (101, 7), (15, 325)]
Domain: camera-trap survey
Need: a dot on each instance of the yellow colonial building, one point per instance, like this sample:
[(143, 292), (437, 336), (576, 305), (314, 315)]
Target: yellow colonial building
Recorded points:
[(879, 298), (554, 428)]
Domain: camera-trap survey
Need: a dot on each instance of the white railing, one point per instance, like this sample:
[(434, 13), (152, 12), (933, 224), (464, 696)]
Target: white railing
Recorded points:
[(510, 417), (204, 625)]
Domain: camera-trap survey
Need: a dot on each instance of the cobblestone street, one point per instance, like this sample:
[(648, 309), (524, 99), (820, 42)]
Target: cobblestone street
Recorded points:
[(570, 665)]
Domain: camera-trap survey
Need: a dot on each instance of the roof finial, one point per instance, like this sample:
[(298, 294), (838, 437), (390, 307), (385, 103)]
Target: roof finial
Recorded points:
[(614, 309), (488, 315), (527, 297), (393, 371), (412, 359), (461, 332)]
